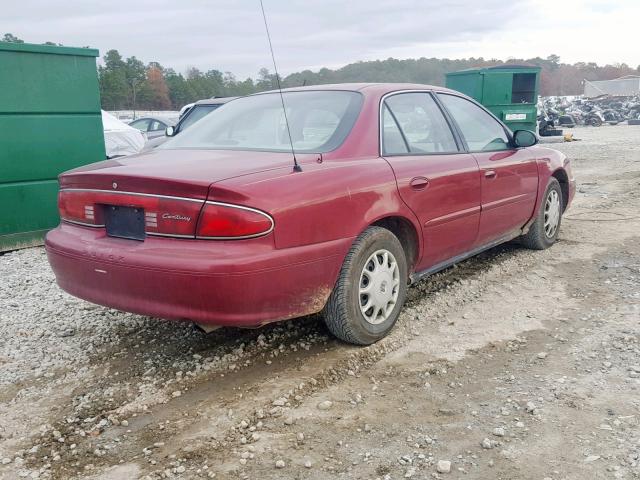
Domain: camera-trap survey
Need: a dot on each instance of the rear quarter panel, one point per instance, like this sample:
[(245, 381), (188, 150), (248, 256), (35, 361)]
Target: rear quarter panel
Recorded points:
[(328, 200)]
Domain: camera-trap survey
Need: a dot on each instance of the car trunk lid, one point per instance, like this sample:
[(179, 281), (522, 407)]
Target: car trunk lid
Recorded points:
[(183, 172), (160, 193)]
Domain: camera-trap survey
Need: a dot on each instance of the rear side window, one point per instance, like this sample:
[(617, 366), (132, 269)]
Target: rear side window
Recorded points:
[(482, 132), (413, 123), (393, 142)]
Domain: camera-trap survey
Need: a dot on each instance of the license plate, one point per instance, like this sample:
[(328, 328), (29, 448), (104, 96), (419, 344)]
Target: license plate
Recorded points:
[(124, 222)]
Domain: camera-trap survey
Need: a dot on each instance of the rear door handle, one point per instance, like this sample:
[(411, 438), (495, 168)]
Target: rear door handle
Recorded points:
[(490, 174), (419, 183)]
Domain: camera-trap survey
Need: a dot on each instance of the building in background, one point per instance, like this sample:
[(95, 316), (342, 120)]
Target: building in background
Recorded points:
[(620, 87)]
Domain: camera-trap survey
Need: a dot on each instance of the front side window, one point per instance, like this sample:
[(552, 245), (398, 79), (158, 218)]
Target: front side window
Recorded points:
[(482, 132), (423, 128), (319, 121)]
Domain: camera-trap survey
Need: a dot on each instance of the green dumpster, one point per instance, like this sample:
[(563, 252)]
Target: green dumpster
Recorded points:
[(50, 121), (510, 92)]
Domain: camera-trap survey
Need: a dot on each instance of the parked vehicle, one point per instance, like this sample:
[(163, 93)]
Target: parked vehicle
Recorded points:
[(153, 127), (612, 117), (120, 139), (579, 113), (547, 121), (593, 118), (185, 109), (191, 114), (567, 121), (594, 111), (200, 109), (220, 225)]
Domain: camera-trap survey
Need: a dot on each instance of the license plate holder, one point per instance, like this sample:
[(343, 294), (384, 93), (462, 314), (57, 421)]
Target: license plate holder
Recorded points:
[(124, 222)]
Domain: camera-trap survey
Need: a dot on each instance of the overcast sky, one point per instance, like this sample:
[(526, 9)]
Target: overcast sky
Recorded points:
[(229, 35)]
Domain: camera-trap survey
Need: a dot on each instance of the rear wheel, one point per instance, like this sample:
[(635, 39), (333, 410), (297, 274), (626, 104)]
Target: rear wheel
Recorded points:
[(544, 230), (370, 290)]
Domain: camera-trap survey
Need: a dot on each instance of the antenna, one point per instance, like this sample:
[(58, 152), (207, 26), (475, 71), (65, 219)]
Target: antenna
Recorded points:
[(296, 166)]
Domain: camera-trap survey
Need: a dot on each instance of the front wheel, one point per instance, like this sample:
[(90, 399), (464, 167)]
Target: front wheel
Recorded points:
[(371, 288), (544, 230)]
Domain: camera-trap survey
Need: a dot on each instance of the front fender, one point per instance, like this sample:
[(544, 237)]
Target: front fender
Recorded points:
[(549, 162)]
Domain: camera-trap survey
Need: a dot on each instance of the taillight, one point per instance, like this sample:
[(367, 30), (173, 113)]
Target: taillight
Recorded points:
[(79, 207), (223, 221), (163, 215), (166, 215)]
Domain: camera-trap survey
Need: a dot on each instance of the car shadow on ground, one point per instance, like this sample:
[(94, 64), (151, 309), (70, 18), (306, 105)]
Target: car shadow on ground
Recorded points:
[(172, 340)]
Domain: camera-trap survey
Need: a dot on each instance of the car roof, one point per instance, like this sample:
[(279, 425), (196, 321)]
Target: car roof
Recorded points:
[(161, 118), (359, 87), (214, 101)]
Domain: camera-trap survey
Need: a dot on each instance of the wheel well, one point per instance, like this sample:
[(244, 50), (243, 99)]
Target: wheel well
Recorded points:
[(406, 233), (563, 180)]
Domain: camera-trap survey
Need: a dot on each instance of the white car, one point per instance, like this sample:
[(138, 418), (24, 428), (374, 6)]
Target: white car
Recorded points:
[(119, 138)]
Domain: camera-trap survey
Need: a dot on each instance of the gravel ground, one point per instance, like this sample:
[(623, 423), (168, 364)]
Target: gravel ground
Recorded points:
[(512, 365)]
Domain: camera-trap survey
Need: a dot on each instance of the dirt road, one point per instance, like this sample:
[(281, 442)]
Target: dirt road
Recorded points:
[(512, 365)]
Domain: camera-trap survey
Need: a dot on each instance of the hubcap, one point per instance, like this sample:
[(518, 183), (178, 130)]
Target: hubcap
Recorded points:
[(551, 213), (379, 286)]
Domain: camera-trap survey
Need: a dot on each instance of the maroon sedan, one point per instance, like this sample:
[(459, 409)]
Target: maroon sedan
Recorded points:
[(216, 226)]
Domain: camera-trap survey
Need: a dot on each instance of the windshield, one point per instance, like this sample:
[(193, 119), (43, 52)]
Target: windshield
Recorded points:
[(319, 122), (195, 114)]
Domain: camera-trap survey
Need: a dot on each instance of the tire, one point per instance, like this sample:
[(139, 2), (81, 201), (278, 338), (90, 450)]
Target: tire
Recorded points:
[(540, 236), (343, 313), (595, 122)]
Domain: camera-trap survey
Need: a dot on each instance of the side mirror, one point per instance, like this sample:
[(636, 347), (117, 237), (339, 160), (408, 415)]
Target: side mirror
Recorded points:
[(524, 138), (170, 131)]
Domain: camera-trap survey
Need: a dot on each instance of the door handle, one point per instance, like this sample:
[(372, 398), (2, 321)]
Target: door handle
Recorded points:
[(490, 174), (419, 183)]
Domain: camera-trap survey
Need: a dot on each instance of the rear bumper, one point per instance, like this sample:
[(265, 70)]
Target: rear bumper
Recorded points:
[(234, 283), (572, 192)]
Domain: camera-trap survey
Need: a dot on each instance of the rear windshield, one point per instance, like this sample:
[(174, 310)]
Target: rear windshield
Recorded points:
[(319, 122)]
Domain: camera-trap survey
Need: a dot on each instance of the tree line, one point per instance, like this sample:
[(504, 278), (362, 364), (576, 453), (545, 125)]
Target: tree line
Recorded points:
[(125, 83), (129, 83)]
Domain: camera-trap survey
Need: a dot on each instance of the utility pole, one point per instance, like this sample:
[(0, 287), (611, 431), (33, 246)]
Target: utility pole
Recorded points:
[(133, 86)]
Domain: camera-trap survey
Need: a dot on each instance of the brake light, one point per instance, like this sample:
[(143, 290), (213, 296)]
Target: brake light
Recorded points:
[(166, 215), (223, 221), (78, 208), (163, 215)]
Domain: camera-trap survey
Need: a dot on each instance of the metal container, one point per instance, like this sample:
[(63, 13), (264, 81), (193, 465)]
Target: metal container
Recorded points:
[(510, 92), (50, 121)]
